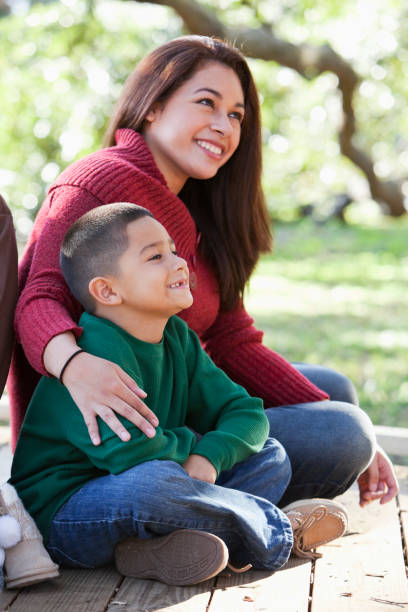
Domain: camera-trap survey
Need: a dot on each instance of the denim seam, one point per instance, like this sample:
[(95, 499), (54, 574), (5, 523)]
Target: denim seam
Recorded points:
[(74, 561)]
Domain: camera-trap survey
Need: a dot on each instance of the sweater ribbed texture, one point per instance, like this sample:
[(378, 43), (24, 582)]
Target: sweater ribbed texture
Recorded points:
[(127, 173)]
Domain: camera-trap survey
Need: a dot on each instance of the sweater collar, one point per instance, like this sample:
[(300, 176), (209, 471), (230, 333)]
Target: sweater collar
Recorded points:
[(138, 151)]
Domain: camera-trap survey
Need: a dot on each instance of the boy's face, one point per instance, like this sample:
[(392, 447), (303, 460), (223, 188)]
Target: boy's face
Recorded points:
[(152, 278)]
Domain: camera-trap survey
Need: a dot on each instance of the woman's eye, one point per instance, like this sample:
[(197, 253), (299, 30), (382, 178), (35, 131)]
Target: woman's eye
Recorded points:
[(237, 115), (206, 102)]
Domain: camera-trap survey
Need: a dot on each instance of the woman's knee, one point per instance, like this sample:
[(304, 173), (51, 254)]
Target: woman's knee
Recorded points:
[(337, 385), (351, 436)]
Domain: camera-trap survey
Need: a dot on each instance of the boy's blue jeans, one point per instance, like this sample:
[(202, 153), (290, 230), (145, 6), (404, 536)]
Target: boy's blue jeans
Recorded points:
[(158, 497), (323, 447)]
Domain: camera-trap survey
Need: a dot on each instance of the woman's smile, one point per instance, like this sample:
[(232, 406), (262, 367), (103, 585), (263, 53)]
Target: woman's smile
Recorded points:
[(198, 129), (211, 148)]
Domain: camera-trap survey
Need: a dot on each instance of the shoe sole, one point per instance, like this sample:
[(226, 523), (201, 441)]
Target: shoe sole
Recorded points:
[(181, 558), (33, 578), (335, 522)]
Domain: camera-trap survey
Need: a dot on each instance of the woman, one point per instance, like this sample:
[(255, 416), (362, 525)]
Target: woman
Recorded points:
[(184, 141)]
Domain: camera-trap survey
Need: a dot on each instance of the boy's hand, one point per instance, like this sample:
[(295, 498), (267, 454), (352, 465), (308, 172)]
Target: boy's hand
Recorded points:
[(200, 468)]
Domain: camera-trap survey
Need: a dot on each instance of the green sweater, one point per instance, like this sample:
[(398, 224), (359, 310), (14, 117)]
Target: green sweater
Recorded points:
[(55, 456)]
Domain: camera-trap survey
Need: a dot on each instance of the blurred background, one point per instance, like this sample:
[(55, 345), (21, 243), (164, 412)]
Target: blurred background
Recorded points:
[(333, 81)]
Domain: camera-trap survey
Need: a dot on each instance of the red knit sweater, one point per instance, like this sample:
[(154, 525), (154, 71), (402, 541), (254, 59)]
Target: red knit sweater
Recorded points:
[(128, 173)]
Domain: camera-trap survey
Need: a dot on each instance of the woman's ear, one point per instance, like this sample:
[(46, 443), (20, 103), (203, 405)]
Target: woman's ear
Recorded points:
[(153, 112), (103, 291)]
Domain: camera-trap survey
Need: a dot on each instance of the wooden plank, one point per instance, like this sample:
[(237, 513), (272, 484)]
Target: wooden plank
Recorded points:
[(74, 591), (286, 590), (402, 474), (148, 596), (6, 598), (365, 569)]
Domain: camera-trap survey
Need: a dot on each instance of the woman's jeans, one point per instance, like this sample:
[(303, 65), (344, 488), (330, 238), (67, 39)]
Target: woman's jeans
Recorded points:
[(329, 443), (316, 450), (158, 497)]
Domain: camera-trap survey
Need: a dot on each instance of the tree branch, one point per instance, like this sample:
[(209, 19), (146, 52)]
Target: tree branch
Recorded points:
[(309, 61)]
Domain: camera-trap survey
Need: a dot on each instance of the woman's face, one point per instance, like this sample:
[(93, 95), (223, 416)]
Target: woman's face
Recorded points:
[(198, 128)]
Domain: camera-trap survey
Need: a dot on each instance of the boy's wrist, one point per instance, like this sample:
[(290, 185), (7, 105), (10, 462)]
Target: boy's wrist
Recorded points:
[(200, 468)]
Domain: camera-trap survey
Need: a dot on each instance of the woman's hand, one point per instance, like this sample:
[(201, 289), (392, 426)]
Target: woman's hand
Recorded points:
[(99, 388), (378, 481)]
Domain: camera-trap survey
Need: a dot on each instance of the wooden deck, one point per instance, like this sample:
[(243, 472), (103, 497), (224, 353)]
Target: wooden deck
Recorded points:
[(364, 571)]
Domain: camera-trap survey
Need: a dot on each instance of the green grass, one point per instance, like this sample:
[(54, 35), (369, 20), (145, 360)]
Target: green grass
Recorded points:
[(337, 295)]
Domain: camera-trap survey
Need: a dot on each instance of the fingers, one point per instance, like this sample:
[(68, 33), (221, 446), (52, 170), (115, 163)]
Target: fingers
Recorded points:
[(388, 478), (135, 414), (127, 394), (132, 384), (373, 476), (392, 489), (108, 416), (101, 388), (92, 426)]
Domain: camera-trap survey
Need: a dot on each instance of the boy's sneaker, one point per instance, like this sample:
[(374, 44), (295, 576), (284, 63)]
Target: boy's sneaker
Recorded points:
[(180, 558), (315, 522)]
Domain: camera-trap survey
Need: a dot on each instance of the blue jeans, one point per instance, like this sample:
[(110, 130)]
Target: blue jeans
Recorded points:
[(329, 443), (323, 447), (158, 497)]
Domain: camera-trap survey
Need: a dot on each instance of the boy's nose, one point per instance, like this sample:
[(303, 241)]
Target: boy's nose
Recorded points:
[(180, 263)]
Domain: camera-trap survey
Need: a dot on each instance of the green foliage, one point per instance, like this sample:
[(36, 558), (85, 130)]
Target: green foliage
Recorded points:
[(336, 295), (62, 66)]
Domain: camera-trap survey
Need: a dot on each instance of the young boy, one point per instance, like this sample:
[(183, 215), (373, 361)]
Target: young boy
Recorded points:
[(204, 489)]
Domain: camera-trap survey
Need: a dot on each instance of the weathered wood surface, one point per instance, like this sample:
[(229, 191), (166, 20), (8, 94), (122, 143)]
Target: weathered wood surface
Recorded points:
[(364, 571)]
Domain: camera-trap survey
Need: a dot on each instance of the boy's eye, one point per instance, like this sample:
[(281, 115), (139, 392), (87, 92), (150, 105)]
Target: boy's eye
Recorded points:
[(175, 252), (155, 257)]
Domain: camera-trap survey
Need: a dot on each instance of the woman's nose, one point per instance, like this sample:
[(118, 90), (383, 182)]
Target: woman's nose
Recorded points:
[(222, 124)]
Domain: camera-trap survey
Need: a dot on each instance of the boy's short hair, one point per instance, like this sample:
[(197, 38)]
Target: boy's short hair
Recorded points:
[(93, 245)]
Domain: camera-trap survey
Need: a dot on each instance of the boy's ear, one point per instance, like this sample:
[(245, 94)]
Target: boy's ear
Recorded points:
[(103, 291)]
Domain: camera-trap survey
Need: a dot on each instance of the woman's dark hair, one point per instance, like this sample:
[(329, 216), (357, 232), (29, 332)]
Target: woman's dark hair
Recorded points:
[(93, 245), (229, 209)]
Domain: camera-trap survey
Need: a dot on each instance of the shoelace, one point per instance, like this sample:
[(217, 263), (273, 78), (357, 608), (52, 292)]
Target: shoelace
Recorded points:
[(239, 570), (304, 524)]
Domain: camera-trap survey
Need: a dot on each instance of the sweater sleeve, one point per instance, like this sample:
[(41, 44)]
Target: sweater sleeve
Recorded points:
[(236, 347), (46, 306), (113, 455), (233, 424)]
